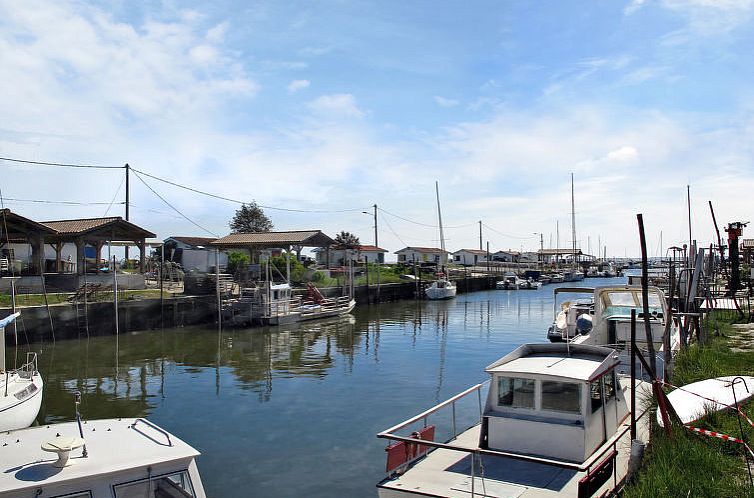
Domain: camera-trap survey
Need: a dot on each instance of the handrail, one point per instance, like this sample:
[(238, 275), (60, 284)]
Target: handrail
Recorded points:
[(388, 432), (580, 467), (155, 427)]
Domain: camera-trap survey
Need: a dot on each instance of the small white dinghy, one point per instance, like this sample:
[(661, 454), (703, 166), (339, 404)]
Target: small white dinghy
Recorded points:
[(20, 389), (692, 401)]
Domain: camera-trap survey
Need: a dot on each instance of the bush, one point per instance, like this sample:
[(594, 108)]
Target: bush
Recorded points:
[(237, 260)]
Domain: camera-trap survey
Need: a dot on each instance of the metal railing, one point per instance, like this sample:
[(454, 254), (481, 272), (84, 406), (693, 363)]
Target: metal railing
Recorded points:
[(25, 371), (611, 445)]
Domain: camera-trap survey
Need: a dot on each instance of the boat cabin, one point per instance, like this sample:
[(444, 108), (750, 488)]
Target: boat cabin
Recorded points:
[(556, 401), (613, 305)]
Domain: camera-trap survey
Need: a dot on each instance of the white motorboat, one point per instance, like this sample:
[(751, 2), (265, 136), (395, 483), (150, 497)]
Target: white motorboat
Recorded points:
[(442, 288), (556, 423), (509, 282), (557, 278), (530, 284), (604, 318), (113, 458), (20, 388)]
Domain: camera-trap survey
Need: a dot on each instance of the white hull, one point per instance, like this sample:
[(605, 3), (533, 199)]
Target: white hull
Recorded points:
[(436, 293), (20, 407)]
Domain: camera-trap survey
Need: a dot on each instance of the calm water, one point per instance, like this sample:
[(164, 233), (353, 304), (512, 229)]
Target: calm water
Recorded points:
[(294, 411)]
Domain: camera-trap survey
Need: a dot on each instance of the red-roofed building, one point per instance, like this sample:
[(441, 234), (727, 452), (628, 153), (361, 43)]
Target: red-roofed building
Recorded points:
[(338, 256), (422, 255)]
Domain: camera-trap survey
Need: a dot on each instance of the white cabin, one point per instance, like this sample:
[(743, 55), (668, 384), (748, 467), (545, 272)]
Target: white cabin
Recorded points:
[(547, 402)]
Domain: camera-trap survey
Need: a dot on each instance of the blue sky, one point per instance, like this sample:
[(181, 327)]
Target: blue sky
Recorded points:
[(329, 107)]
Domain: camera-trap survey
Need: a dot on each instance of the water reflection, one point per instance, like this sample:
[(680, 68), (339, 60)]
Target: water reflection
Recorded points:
[(289, 411)]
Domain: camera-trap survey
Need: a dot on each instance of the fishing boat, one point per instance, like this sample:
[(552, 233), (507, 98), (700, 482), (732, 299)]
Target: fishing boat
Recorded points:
[(509, 282), (557, 278), (556, 422), (603, 317), (20, 388), (442, 288), (113, 458), (530, 284)]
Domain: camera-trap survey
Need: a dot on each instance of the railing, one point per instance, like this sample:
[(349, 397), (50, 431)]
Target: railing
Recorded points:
[(25, 371), (610, 446), (154, 427)]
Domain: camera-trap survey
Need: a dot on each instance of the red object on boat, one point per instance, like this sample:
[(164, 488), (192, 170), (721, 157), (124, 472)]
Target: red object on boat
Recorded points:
[(401, 452)]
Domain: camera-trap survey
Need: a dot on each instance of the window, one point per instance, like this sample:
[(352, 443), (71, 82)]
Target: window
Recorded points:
[(514, 392), (176, 485), (595, 394), (561, 396), (609, 380)]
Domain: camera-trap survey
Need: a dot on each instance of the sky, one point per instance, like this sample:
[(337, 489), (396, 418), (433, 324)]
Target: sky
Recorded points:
[(319, 110)]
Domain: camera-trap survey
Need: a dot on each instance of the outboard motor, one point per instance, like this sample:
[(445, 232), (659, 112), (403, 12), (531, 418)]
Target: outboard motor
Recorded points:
[(584, 323)]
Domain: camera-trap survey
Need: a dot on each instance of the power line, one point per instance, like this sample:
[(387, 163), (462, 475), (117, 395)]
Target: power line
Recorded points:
[(453, 227), (62, 165), (172, 207), (507, 235), (114, 196), (202, 192), (70, 203)]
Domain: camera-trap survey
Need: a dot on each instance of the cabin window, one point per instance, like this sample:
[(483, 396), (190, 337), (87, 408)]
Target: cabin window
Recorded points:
[(176, 484), (80, 494), (595, 394), (561, 396), (514, 392), (609, 386)]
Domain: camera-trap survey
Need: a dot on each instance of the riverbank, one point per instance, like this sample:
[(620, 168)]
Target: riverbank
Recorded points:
[(138, 311), (683, 463)]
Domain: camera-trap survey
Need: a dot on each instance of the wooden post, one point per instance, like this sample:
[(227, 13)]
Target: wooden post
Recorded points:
[(645, 297)]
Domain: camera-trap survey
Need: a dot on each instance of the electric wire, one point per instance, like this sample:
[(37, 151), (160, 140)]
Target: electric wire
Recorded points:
[(116, 195), (507, 235), (68, 203), (393, 231), (172, 207), (452, 227), (202, 192), (62, 165)]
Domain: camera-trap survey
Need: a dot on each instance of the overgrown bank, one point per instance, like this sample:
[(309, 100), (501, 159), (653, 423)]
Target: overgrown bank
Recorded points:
[(684, 464)]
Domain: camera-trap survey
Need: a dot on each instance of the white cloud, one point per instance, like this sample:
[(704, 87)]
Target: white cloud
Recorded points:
[(297, 85), (633, 6), (343, 104), (443, 102)]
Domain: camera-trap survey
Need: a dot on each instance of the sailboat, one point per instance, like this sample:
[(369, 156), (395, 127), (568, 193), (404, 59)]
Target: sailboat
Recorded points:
[(20, 389), (442, 288)]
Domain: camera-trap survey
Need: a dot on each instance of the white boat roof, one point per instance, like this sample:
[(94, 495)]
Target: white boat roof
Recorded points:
[(114, 445), (575, 361), (280, 286)]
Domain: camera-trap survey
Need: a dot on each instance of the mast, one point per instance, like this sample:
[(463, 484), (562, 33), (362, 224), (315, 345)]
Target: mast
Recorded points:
[(439, 217), (573, 222)]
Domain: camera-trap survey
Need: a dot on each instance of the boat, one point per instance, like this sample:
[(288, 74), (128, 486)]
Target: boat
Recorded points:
[(556, 422), (124, 457), (20, 388), (604, 318), (693, 401), (442, 288), (530, 284), (510, 281), (557, 278)]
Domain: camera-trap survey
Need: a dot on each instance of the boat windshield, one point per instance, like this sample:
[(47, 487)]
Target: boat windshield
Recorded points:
[(176, 484), (630, 299)]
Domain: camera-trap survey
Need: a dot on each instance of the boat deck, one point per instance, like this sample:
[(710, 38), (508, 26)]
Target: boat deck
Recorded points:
[(447, 473), (113, 445)]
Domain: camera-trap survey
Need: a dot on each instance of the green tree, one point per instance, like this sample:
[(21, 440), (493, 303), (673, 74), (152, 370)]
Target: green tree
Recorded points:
[(250, 218), (347, 240)]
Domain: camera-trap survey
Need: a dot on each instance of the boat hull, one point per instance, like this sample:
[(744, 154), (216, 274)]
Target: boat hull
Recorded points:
[(20, 407)]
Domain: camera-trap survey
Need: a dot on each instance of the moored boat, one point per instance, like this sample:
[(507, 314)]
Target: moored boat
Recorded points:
[(113, 458), (556, 423), (442, 288), (20, 388)]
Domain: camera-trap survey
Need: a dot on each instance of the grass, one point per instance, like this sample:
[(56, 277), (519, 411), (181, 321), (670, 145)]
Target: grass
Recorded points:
[(63, 297), (684, 464)]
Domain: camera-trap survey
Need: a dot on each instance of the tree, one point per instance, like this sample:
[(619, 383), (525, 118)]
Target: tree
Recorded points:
[(347, 240), (250, 218)]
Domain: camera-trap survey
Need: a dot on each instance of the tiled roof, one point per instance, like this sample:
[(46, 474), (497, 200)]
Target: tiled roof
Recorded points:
[(428, 250), (371, 249), (66, 227), (308, 238), (473, 251), (195, 241)]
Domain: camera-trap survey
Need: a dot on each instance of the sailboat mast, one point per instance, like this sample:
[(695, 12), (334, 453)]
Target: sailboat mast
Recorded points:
[(439, 216), (573, 221)]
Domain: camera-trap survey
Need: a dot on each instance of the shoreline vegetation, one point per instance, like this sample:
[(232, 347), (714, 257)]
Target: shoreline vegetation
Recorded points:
[(684, 464)]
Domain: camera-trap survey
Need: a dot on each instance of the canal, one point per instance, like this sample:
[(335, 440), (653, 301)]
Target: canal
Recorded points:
[(291, 412)]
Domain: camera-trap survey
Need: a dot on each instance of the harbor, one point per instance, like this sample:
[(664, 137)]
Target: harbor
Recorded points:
[(245, 387)]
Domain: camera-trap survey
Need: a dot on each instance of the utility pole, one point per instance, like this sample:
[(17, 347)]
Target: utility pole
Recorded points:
[(128, 192), (480, 235), (376, 245)]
